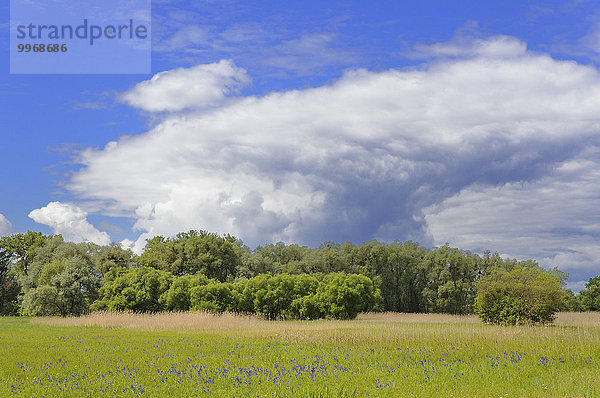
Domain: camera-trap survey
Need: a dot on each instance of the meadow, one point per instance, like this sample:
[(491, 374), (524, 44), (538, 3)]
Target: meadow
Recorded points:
[(375, 355)]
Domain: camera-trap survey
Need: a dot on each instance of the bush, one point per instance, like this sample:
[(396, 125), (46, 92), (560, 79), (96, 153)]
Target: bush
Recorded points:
[(522, 296), (177, 298), (307, 307), (213, 297), (343, 296)]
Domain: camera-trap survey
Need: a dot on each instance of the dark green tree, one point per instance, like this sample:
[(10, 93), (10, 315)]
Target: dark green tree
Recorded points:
[(397, 267), (451, 275), (253, 264), (217, 257), (9, 286), (112, 256)]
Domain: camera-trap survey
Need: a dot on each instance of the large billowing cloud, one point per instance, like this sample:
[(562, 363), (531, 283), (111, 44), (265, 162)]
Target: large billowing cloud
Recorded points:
[(5, 226), (356, 159), (69, 221)]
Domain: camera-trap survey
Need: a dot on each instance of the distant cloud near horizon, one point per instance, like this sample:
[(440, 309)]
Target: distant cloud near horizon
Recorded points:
[(69, 221), (5, 226), (372, 155)]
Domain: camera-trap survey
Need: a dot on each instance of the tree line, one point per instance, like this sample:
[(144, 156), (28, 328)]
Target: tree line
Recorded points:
[(197, 270)]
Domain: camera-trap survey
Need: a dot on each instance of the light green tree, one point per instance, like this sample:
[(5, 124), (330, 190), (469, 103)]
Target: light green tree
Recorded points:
[(343, 296), (524, 295), (590, 296), (134, 289)]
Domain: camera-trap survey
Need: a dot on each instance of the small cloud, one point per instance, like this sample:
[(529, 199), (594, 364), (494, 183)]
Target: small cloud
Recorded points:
[(536, 11), (184, 38), (5, 226), (185, 88), (591, 41), (465, 46), (90, 105), (308, 53), (128, 244), (110, 227), (70, 221), (95, 100), (66, 149), (576, 286)]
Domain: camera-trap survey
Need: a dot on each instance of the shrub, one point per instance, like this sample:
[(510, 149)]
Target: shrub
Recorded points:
[(527, 295), (343, 296), (213, 297)]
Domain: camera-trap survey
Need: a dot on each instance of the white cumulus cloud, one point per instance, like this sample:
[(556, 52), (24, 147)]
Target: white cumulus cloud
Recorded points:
[(356, 159), (70, 221), (197, 87), (5, 226)]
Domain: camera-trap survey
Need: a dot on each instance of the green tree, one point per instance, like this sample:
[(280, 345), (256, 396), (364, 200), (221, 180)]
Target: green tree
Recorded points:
[(214, 296), (329, 257), (55, 249), (307, 307), (112, 256), (134, 289), (65, 287), (245, 293), (178, 297), (572, 302), (253, 264), (217, 257), (590, 296), (401, 282), (9, 286), (60, 279), (451, 275), (526, 295), (275, 299), (22, 248)]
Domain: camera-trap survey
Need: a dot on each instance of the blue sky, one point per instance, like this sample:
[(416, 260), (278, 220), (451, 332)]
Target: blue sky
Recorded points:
[(473, 123)]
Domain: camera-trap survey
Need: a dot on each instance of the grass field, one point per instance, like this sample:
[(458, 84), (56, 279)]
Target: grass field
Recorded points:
[(396, 355)]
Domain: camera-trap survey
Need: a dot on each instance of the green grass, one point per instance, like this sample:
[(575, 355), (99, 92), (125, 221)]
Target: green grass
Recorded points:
[(376, 355)]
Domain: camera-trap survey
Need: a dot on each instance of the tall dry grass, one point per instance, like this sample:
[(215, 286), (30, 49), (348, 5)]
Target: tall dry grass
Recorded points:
[(399, 317), (158, 321), (591, 319), (205, 320), (199, 320), (575, 330)]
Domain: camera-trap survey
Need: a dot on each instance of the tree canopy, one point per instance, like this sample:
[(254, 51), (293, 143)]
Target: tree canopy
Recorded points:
[(198, 270)]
